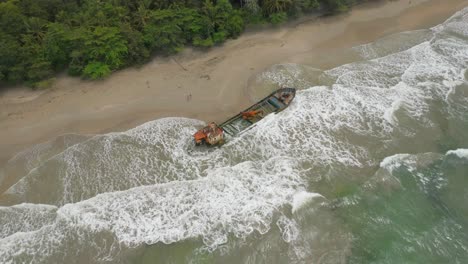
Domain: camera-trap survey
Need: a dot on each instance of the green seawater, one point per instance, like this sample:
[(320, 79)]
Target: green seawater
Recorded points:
[(419, 220)]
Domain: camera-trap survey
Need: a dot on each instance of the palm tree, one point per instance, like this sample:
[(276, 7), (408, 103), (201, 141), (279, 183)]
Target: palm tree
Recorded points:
[(210, 11), (143, 13), (275, 6), (251, 5), (36, 27)]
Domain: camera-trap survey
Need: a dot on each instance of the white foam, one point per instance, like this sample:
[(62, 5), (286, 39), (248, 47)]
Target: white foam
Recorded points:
[(413, 163), (393, 162), (34, 156), (393, 43), (389, 114), (288, 75), (302, 198), (50, 244), (25, 218), (234, 200), (152, 153), (461, 153), (288, 228)]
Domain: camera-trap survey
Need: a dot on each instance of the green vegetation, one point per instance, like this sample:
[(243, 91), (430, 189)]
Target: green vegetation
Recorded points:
[(92, 38)]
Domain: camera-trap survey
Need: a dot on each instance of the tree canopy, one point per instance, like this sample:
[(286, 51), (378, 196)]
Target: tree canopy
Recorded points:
[(92, 38)]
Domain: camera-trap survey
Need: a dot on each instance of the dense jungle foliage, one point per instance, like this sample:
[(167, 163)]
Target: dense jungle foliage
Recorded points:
[(92, 38)]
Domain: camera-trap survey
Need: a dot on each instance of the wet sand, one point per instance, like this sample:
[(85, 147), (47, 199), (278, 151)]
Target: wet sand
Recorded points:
[(208, 85)]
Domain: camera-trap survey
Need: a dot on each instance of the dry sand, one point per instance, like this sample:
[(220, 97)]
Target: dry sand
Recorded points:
[(205, 85)]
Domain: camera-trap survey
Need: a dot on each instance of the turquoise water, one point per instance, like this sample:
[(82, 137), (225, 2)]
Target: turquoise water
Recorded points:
[(411, 212), (373, 169)]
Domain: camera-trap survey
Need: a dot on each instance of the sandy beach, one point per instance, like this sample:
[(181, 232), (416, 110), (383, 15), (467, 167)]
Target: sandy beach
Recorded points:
[(209, 85)]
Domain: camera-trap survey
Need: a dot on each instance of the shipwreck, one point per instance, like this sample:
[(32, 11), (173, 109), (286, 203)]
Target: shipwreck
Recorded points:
[(214, 134)]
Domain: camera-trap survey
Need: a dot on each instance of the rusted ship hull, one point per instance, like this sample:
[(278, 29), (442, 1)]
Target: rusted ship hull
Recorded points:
[(275, 102)]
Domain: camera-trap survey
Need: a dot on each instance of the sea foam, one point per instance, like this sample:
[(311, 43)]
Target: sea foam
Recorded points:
[(300, 199), (461, 153)]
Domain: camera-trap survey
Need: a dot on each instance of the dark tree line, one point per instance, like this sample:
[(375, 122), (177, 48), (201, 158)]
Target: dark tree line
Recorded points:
[(92, 38)]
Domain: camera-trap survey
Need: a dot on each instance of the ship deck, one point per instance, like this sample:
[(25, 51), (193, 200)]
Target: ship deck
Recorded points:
[(268, 105)]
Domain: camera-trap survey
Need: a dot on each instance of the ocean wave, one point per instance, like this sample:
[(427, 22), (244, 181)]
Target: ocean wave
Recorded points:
[(25, 218), (461, 153)]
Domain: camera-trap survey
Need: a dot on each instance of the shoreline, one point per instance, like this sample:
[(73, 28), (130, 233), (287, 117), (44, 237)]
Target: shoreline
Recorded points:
[(207, 85)]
